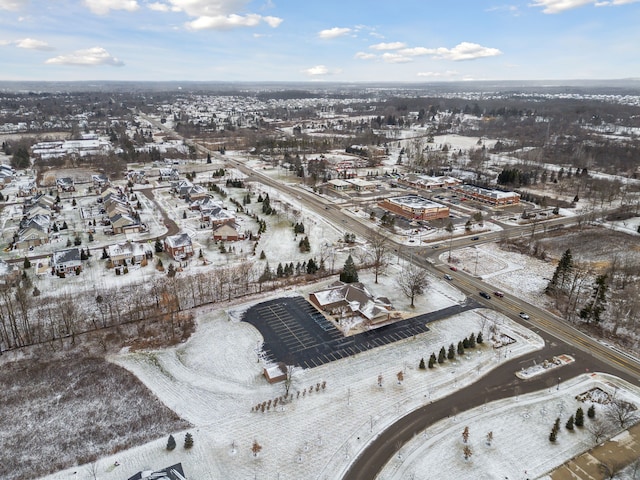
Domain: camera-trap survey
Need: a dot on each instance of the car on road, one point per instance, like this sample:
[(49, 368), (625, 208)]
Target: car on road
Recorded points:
[(498, 294), (475, 238), (455, 269), (485, 295), (448, 277), (524, 316), (435, 246)]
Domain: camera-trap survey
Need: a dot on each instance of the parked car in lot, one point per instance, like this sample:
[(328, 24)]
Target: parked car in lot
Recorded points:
[(485, 295), (455, 269), (447, 277), (524, 316), (498, 294)]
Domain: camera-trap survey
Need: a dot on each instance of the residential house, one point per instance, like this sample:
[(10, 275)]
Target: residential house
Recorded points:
[(9, 274), (173, 472), (170, 174), (179, 246), (65, 184), (227, 232), (100, 181), (348, 299), (33, 232), (65, 262), (27, 188), (181, 188), (127, 253), (123, 223)]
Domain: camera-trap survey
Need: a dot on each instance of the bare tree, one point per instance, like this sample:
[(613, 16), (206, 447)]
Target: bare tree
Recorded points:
[(467, 452), (379, 252), (621, 412), (598, 430), (255, 448), (413, 281), (465, 435)]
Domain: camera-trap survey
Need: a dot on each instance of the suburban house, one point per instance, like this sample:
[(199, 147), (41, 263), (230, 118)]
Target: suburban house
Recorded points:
[(174, 472), (168, 174), (6, 175), (128, 253), (348, 299), (65, 262), (65, 184), (123, 223), (227, 232), (33, 232), (9, 274), (27, 188), (179, 246), (100, 180)]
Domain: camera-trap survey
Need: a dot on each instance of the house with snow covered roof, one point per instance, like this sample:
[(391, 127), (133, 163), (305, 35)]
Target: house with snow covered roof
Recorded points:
[(347, 299), (9, 274), (127, 253), (123, 223), (100, 180), (65, 184), (33, 232), (65, 262), (174, 472), (415, 207), (227, 232), (179, 246)]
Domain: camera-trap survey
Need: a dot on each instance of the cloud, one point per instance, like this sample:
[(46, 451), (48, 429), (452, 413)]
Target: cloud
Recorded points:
[(365, 56), (317, 71), (103, 7), (158, 7), (32, 44), (208, 8), (447, 74), (226, 22), (557, 6), (396, 58), (13, 5), (88, 57), (465, 51), (388, 46), (334, 32)]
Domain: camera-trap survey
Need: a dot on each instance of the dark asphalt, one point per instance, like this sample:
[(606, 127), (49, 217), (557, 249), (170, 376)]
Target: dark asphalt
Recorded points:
[(499, 383), (295, 332)]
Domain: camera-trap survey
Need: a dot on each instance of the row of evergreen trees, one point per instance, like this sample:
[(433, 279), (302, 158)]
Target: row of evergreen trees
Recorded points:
[(450, 354)]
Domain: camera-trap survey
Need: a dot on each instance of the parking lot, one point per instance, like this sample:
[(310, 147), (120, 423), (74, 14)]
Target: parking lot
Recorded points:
[(294, 332)]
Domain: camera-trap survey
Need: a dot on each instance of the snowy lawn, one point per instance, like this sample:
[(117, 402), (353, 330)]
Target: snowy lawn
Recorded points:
[(215, 379)]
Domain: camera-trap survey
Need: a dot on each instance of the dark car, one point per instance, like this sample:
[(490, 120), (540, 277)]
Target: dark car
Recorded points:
[(485, 295), (498, 294), (475, 238)]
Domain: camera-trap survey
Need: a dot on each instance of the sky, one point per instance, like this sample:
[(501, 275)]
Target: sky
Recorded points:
[(330, 40)]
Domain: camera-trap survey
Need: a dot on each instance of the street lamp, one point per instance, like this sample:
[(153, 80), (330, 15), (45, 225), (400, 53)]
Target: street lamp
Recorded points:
[(558, 386)]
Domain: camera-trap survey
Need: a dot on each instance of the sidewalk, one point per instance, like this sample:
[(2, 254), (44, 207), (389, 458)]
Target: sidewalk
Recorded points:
[(615, 454)]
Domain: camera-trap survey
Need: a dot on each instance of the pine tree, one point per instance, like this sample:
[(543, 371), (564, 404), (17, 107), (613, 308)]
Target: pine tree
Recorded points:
[(479, 338), (460, 348), (422, 365), (432, 360), (598, 300), (171, 443), (158, 247), (451, 353), (349, 272), (171, 271), (27, 263), (561, 273), (472, 341), (570, 423), (188, 440), (262, 255), (591, 413), (442, 355), (579, 422)]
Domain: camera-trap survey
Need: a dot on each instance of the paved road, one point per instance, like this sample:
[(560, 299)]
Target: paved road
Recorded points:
[(498, 384)]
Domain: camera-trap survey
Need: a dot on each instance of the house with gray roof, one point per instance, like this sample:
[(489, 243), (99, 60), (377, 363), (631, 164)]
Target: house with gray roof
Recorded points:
[(66, 262), (179, 246)]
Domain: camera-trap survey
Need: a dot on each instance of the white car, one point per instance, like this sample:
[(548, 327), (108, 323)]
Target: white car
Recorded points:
[(524, 316)]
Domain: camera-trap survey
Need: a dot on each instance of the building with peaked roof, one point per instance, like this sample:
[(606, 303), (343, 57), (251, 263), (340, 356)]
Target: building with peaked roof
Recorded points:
[(227, 232), (9, 274), (340, 299), (493, 197), (65, 184), (179, 246), (174, 472), (127, 253), (415, 207), (65, 262)]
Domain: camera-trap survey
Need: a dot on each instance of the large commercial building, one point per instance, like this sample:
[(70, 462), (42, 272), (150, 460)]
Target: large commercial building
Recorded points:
[(494, 197), (415, 207)]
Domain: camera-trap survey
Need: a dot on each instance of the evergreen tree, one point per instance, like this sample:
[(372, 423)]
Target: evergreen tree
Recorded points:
[(465, 342), (591, 413), (262, 255), (432, 360), (188, 440), (159, 247), (442, 355), (171, 443), (312, 267), (562, 273), (349, 272), (279, 271), (597, 304), (472, 341), (171, 271), (451, 353), (208, 157), (304, 245), (579, 422), (105, 255), (27, 263), (479, 338), (64, 226), (570, 423), (422, 365)]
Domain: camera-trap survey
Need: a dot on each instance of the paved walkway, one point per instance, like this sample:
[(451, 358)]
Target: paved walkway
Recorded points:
[(615, 454)]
